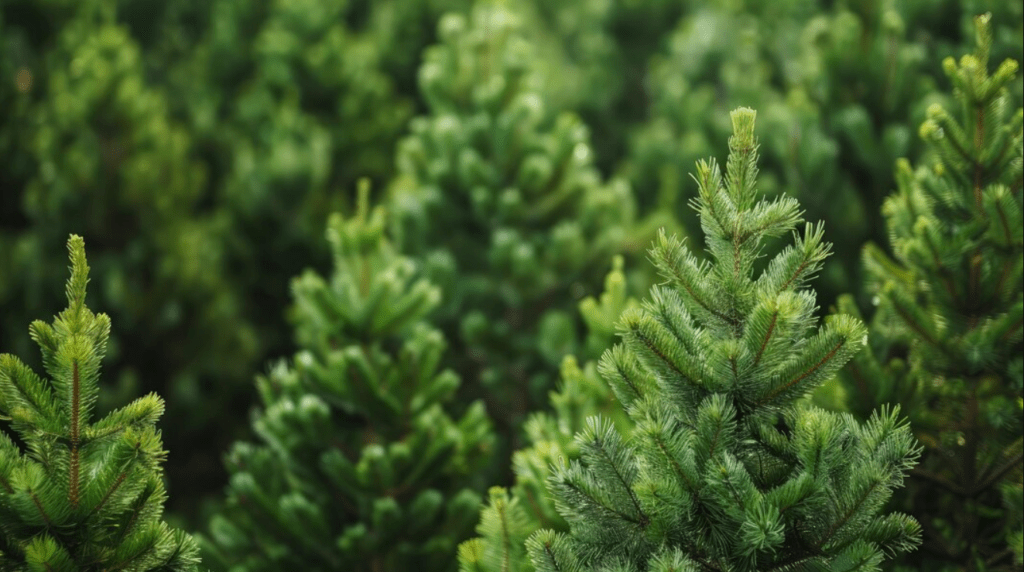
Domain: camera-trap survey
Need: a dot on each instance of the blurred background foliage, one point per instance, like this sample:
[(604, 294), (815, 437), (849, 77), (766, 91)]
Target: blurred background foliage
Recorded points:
[(200, 146)]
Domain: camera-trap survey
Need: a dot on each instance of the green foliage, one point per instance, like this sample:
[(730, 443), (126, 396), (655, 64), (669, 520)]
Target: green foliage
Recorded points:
[(947, 330), (512, 515), (308, 84), (199, 146), (594, 58), (499, 194), (86, 495), (360, 467), (504, 525), (724, 468), (289, 105), (91, 147), (840, 87)]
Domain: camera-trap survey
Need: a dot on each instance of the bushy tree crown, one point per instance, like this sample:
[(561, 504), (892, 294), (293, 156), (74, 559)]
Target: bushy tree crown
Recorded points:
[(361, 463), (726, 469)]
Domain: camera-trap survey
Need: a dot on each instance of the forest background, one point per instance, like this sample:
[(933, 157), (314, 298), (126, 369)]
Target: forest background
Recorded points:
[(200, 148)]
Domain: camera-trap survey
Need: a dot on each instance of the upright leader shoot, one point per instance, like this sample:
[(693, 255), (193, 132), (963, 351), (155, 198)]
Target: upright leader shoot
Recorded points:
[(84, 495)]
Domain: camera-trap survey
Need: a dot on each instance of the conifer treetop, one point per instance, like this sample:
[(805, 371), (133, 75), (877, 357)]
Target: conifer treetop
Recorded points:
[(725, 467), (725, 298), (86, 495), (373, 292), (359, 464)]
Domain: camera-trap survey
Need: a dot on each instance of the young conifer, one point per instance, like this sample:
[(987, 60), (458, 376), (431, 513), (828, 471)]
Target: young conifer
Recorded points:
[(86, 495), (947, 331), (359, 466), (839, 89), (500, 195), (725, 469), (91, 144), (513, 514)]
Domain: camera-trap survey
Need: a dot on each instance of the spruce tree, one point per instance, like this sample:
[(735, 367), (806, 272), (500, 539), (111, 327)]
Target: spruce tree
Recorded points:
[(499, 194), (83, 495), (726, 468), (512, 514), (946, 334), (360, 465)]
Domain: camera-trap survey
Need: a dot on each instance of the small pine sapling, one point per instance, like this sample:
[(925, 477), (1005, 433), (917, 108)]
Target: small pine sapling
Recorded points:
[(726, 468), (93, 145), (86, 495), (500, 196), (360, 467), (946, 335)]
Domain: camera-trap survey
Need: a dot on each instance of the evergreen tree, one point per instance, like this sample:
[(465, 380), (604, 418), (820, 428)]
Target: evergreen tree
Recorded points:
[(289, 102), (946, 335), (201, 145), (725, 469), (840, 88), (401, 30), (359, 467), (88, 144), (511, 515), (86, 495), (500, 196), (288, 106)]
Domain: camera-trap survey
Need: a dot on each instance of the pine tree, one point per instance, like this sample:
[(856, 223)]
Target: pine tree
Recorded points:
[(289, 103), (359, 466), (946, 335), (288, 107), (725, 468), (499, 194), (839, 86), (401, 30), (88, 144), (511, 515), (201, 145), (86, 495)]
